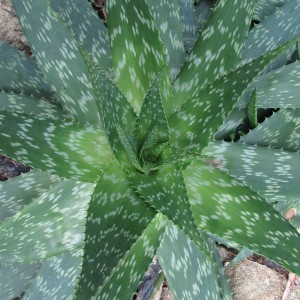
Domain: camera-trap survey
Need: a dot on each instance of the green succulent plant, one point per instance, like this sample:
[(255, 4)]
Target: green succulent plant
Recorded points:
[(127, 127)]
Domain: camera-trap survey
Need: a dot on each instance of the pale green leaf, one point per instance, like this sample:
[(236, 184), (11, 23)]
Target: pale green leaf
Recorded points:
[(271, 173), (281, 131), (218, 49), (226, 208), (189, 272), (17, 192), (63, 148), (275, 30), (60, 59), (167, 18), (15, 278), (20, 74), (31, 106), (195, 122), (188, 17), (63, 271), (129, 272), (137, 52), (116, 217), (264, 8), (87, 28), (50, 225)]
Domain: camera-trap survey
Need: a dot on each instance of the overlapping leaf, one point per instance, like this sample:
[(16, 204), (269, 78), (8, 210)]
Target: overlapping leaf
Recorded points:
[(20, 73), (224, 207), (116, 218), (88, 29), (60, 59), (30, 105), (281, 131), (130, 270), (218, 49), (62, 148), (17, 192), (48, 226), (264, 8), (195, 122), (167, 18), (272, 173), (190, 272)]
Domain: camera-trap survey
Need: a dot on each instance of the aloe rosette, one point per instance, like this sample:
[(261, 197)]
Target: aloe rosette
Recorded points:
[(124, 123)]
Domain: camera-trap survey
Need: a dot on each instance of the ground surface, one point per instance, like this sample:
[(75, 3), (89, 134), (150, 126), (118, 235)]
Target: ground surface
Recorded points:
[(249, 280)]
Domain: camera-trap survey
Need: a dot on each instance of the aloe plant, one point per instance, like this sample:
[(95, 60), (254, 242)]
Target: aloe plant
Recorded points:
[(123, 124)]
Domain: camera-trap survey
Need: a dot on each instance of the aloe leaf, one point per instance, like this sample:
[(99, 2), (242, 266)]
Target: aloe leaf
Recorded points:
[(235, 118), (20, 74), (88, 29), (48, 226), (126, 276), (280, 131), (167, 18), (203, 12), (226, 208), (207, 109), (243, 254), (275, 30), (276, 89), (209, 57), (60, 59), (137, 52), (31, 106), (63, 148), (188, 18), (119, 120), (271, 173), (165, 191), (251, 110), (17, 192), (264, 8), (16, 278), (63, 271), (190, 274), (116, 217)]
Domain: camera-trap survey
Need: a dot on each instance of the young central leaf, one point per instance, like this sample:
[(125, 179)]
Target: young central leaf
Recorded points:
[(152, 130)]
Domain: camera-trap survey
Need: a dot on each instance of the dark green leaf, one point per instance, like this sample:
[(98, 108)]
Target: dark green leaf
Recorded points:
[(116, 218), (252, 110)]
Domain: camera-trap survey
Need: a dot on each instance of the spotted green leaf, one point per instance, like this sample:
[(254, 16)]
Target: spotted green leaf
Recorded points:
[(165, 191), (276, 30), (273, 173), (264, 8), (48, 226), (16, 278), (62, 148), (60, 59), (276, 89), (188, 18), (20, 74), (189, 272), (207, 109), (281, 131), (87, 28), (116, 217), (225, 207), (137, 52), (17, 192), (219, 40), (31, 106), (251, 110), (130, 270), (63, 271), (167, 18)]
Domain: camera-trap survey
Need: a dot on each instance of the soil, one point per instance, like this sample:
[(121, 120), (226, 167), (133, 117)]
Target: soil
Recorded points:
[(249, 280)]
